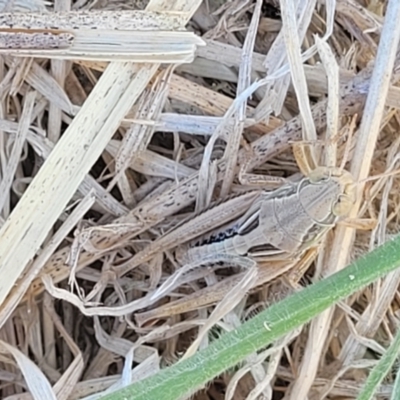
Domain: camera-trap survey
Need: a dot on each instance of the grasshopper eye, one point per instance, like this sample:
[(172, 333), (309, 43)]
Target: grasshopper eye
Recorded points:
[(342, 206)]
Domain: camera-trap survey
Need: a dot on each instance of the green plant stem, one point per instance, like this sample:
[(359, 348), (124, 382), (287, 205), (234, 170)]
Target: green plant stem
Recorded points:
[(396, 386), (381, 369), (186, 377)]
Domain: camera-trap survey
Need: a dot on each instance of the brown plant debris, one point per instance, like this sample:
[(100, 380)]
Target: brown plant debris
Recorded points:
[(136, 140)]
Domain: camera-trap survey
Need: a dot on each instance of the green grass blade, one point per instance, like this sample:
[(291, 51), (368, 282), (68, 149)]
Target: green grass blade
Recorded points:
[(381, 369), (396, 387), (186, 377)]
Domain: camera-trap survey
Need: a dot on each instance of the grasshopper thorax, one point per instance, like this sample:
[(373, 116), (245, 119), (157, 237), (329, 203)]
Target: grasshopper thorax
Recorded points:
[(327, 194)]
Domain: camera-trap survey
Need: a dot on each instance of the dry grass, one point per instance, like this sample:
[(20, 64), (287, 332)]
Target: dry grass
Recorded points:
[(100, 162)]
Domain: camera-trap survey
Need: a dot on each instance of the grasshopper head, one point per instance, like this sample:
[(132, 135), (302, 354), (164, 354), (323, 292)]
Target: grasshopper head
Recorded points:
[(338, 188)]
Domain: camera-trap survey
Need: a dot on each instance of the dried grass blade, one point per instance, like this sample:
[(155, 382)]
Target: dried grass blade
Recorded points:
[(293, 51), (140, 36), (70, 377), (153, 47), (20, 138), (43, 147), (207, 169), (153, 164), (59, 73), (244, 81), (195, 301), (45, 84), (210, 294), (113, 344), (227, 304), (276, 58), (18, 292), (36, 381), (332, 114), (92, 309), (94, 19), (194, 124), (146, 368), (138, 137)]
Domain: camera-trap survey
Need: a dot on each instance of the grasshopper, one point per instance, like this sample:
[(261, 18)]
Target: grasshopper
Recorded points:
[(271, 225), (283, 223)]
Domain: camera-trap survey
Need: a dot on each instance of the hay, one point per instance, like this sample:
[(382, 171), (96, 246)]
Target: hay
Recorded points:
[(111, 144)]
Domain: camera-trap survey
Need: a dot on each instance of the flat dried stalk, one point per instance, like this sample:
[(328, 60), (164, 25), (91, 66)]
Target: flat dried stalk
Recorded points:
[(94, 20), (139, 36)]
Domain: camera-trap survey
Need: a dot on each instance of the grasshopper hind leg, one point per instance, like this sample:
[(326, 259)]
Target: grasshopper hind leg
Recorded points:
[(193, 269)]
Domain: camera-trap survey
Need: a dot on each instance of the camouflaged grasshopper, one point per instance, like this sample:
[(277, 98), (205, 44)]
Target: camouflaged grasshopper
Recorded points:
[(267, 225), (283, 223)]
